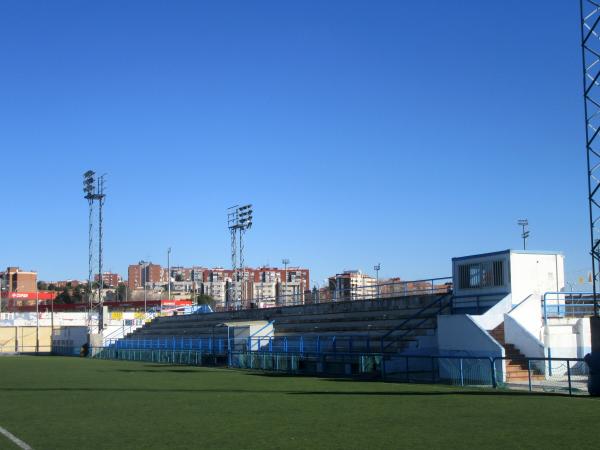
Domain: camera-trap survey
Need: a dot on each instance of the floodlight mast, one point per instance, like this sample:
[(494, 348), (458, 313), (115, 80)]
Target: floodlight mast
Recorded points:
[(377, 268), (89, 191), (93, 188), (590, 58), (239, 220)]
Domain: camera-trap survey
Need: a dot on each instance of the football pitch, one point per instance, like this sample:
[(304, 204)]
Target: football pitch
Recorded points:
[(76, 403)]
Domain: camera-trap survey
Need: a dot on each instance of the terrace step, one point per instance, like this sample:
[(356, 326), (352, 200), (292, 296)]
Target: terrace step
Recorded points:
[(516, 362)]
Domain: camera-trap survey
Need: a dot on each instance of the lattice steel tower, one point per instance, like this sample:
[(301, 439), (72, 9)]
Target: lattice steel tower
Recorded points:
[(89, 190), (239, 220), (94, 191), (590, 56)]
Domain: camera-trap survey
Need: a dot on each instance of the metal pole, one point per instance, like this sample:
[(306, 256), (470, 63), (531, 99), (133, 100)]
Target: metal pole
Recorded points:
[(37, 319), (285, 262), (377, 268), (569, 377), (143, 280), (51, 322), (168, 275)]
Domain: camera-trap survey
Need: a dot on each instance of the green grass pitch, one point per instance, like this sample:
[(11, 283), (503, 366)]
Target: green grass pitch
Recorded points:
[(74, 403)]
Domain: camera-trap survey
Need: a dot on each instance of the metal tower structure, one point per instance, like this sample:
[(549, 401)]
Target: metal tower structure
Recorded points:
[(93, 188), (100, 196), (590, 57), (89, 190), (239, 220)]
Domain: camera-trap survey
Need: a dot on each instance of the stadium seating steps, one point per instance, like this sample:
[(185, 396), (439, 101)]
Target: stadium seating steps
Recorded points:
[(402, 319)]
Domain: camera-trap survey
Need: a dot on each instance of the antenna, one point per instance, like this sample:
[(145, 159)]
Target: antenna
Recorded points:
[(523, 223)]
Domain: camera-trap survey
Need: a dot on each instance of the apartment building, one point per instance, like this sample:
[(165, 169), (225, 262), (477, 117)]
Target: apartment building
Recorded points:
[(352, 285), (16, 280), (109, 279), (142, 273)]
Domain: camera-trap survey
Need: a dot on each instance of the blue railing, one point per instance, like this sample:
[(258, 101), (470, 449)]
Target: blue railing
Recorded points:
[(422, 316), (567, 304), (284, 344)]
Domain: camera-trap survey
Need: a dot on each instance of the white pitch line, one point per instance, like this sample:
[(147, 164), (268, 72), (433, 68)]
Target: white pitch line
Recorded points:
[(15, 439)]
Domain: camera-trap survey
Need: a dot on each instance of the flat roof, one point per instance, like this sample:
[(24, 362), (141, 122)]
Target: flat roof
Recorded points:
[(503, 252)]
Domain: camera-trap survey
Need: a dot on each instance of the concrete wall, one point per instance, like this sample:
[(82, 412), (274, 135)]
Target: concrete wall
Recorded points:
[(23, 339), (527, 343), (461, 335), (568, 338), (528, 314), (495, 315), (536, 273), (45, 319)]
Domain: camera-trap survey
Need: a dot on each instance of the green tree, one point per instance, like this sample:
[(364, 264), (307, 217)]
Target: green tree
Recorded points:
[(122, 292), (42, 285), (77, 295), (64, 297), (203, 299)]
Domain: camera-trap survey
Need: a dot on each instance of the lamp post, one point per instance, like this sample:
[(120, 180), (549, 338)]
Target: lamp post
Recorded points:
[(285, 262), (168, 276), (523, 223), (377, 268)]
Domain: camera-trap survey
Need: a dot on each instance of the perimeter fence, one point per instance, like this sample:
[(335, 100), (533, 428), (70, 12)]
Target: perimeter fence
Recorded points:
[(556, 375)]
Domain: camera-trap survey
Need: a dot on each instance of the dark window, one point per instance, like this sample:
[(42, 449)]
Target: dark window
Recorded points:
[(481, 275)]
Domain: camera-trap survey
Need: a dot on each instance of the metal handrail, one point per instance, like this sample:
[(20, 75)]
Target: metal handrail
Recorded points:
[(565, 295), (413, 317)]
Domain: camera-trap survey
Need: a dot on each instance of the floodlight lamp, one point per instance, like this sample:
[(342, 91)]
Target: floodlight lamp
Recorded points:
[(89, 174)]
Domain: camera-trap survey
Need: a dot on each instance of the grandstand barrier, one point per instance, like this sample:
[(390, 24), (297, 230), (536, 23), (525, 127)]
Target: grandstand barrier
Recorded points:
[(281, 344), (567, 305), (464, 371)]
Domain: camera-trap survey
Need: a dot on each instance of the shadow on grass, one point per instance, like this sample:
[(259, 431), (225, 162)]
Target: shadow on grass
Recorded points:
[(408, 393)]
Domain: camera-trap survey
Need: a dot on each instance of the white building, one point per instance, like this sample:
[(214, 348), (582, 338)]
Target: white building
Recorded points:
[(499, 305)]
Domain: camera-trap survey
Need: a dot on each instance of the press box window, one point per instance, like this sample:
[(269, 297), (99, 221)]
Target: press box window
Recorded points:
[(481, 275)]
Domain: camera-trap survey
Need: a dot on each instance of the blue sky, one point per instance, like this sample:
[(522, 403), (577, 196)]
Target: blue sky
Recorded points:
[(397, 132)]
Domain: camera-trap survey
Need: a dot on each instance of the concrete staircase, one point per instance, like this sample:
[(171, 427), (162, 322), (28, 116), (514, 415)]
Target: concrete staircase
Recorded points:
[(516, 362)]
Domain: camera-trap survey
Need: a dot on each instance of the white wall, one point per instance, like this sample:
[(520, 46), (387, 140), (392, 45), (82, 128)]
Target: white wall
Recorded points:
[(568, 338), (528, 344), (528, 314), (495, 315), (460, 334), (535, 273), (45, 319)]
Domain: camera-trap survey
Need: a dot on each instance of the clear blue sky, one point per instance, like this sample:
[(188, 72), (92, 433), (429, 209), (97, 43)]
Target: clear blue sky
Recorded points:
[(397, 132)]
